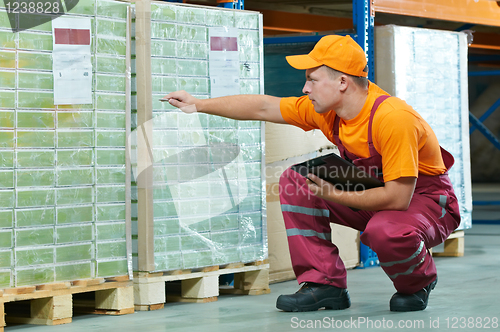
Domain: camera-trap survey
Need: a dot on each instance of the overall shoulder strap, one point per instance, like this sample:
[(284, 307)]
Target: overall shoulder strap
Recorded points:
[(377, 103)]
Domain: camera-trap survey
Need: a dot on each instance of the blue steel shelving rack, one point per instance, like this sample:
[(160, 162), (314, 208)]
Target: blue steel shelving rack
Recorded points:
[(363, 21)]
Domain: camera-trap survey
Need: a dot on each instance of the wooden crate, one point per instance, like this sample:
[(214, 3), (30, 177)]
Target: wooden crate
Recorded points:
[(200, 286), (453, 246), (54, 304)]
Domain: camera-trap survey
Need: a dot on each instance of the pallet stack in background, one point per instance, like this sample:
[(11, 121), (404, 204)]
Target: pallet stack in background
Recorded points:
[(198, 196), (63, 167), (428, 69)]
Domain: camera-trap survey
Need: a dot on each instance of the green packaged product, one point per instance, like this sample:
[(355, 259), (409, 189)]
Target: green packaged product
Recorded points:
[(110, 175), (114, 9), (35, 197), (72, 196), (75, 177), (163, 48), (6, 239), (75, 157), (111, 231), (109, 157), (110, 138), (111, 46), (34, 236), (8, 39), (5, 261), (72, 234), (32, 60), (6, 218), (112, 268), (7, 119), (74, 271), (34, 80), (110, 212), (71, 253), (35, 276), (110, 83), (81, 119), (7, 99), (6, 179), (42, 120), (34, 256), (75, 138), (35, 178), (35, 158), (75, 214), (35, 41), (110, 120), (111, 250), (35, 99), (7, 79), (7, 59), (111, 28), (106, 64), (110, 101), (35, 217), (109, 194)]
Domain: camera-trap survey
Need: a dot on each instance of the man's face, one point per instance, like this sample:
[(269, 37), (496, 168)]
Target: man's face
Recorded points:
[(321, 88)]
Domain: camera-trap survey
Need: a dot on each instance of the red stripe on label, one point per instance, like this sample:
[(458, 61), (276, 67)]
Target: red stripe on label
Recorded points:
[(72, 36), (223, 44)]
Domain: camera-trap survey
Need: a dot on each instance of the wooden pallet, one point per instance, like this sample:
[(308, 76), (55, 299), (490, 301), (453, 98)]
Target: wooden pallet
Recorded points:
[(453, 246), (54, 304), (152, 290)]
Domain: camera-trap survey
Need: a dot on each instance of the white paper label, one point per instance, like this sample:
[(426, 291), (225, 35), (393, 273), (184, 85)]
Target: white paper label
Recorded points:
[(224, 62), (71, 61)]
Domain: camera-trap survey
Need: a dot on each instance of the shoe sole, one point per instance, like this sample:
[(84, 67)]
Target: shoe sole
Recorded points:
[(329, 304)]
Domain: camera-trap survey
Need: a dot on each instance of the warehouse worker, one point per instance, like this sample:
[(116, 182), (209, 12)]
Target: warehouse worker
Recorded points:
[(415, 210)]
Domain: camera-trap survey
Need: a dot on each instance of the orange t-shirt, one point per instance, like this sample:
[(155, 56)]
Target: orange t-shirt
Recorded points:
[(405, 141)]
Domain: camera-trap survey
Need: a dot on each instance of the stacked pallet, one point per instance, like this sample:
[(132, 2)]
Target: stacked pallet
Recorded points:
[(198, 195), (63, 187)]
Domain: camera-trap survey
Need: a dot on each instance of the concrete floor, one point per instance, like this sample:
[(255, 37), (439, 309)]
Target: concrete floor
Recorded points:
[(467, 289)]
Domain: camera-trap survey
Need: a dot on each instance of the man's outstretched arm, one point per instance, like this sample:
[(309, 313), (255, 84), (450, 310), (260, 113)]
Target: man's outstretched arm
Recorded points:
[(239, 107)]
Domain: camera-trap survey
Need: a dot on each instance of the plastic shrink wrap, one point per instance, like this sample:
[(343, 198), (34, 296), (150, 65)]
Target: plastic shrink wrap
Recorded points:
[(428, 69), (208, 183), (62, 167)]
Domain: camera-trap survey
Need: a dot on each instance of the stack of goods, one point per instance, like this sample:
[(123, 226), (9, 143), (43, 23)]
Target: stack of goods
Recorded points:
[(62, 167), (428, 69), (208, 195)]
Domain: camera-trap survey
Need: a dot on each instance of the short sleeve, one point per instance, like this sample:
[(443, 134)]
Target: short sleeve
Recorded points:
[(299, 111), (399, 138)]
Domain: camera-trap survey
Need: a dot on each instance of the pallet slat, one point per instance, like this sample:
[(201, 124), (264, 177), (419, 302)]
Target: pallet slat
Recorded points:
[(53, 304), (198, 286)]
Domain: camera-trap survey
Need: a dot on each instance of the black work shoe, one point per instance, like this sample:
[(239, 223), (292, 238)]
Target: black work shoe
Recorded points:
[(312, 296), (412, 302)]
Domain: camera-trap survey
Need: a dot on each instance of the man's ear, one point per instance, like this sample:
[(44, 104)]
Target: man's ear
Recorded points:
[(344, 82)]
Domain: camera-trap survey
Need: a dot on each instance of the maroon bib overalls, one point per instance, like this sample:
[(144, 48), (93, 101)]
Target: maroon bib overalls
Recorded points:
[(400, 238)]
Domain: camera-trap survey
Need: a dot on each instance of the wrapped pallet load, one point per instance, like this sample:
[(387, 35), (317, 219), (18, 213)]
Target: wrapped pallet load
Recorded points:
[(62, 146), (198, 191), (428, 69)]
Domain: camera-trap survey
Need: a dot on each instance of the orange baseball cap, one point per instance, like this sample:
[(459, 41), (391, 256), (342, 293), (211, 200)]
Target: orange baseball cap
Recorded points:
[(341, 53)]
